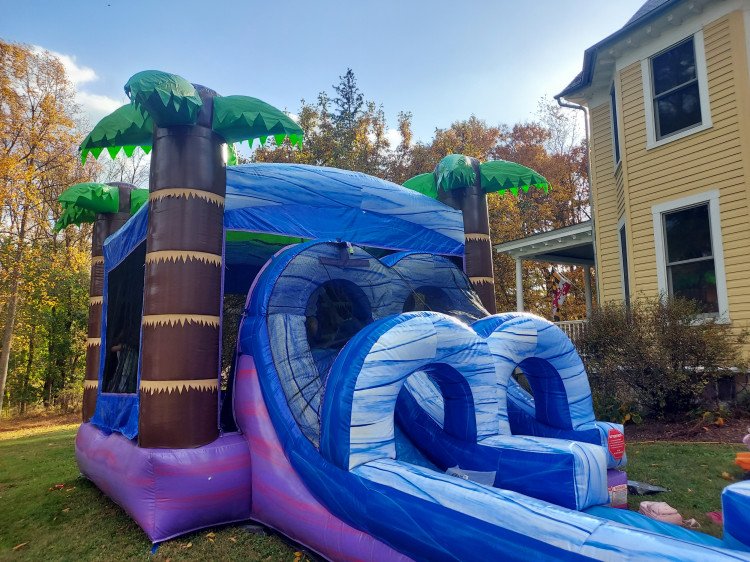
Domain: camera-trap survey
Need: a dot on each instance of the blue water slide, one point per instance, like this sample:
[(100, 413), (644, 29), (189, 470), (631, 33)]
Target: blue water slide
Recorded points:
[(347, 455), (561, 406), (562, 411)]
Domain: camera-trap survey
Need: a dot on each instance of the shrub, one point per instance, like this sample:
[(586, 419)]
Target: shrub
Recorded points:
[(658, 356)]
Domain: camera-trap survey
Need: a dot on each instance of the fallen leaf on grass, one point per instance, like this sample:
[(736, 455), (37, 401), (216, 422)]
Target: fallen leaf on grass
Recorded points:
[(70, 489), (726, 476), (66, 510), (188, 545), (20, 546), (232, 539), (57, 487)]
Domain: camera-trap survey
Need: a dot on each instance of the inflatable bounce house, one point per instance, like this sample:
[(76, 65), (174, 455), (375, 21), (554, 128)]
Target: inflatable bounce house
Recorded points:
[(301, 346)]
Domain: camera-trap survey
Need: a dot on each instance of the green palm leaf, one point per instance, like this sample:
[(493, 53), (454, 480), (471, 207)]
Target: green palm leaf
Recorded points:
[(424, 184), (138, 198), (124, 128), (455, 171), (167, 98), (239, 118), (502, 176), (83, 201)]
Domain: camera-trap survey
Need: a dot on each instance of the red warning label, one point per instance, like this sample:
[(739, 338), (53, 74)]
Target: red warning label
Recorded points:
[(616, 441)]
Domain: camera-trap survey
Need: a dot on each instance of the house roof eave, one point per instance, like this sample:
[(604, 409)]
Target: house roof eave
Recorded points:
[(584, 78)]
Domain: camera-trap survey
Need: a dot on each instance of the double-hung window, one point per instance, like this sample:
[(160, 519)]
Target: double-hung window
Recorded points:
[(677, 102), (689, 254), (676, 91)]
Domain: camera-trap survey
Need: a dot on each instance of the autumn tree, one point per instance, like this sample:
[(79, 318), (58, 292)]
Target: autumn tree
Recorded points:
[(553, 146), (345, 131), (38, 141), (549, 145)]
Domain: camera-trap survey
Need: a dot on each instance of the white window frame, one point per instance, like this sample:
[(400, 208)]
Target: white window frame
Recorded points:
[(714, 214), (648, 94), (623, 258)]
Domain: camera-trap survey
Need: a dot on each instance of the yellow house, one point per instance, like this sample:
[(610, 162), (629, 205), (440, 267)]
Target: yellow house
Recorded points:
[(668, 100)]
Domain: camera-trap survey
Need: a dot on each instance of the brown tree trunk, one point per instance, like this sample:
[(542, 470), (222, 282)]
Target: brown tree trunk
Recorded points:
[(12, 307), (105, 224), (472, 202), (182, 301), (27, 373)]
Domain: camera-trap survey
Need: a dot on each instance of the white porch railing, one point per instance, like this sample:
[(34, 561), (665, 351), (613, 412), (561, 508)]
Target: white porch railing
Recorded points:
[(573, 328)]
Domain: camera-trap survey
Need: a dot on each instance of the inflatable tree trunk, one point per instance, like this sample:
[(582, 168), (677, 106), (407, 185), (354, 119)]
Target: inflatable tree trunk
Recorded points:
[(472, 202), (104, 225), (182, 301), (463, 183)]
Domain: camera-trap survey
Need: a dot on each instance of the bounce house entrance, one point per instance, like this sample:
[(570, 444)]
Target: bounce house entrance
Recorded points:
[(123, 324)]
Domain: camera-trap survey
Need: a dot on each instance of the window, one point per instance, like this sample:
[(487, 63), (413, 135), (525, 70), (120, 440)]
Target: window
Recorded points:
[(675, 87), (690, 261), (689, 251), (615, 133), (674, 80), (624, 264)]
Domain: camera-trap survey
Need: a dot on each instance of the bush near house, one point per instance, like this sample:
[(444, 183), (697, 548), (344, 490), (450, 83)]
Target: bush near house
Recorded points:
[(657, 357)]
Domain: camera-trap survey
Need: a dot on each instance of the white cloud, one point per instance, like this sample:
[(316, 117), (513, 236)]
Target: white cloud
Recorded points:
[(93, 106), (293, 116), (76, 74), (96, 106), (394, 137)]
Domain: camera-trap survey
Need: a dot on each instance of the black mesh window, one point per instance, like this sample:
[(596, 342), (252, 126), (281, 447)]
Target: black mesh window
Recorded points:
[(124, 312)]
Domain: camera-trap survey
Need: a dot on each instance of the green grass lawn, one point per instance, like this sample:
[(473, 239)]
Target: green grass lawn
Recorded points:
[(691, 471), (76, 522)]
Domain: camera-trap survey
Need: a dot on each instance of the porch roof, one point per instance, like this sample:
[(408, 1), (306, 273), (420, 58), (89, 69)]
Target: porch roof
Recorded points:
[(573, 245)]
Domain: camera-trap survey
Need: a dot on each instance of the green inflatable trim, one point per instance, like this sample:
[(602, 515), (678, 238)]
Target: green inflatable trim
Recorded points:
[(424, 184), (138, 198), (275, 239), (231, 154), (83, 201), (123, 129), (240, 118), (167, 98), (502, 176), (455, 172)]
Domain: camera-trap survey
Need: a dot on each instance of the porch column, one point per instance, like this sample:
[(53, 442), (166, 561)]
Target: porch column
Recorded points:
[(587, 290), (519, 285)]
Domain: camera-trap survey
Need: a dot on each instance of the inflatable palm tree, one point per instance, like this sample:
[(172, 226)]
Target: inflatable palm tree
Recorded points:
[(187, 126), (463, 183), (108, 206)]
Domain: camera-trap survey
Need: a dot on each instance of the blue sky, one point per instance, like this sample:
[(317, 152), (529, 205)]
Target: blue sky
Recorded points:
[(441, 60)]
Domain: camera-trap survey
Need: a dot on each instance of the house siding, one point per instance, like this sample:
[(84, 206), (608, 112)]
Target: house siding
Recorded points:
[(715, 158), (605, 208)]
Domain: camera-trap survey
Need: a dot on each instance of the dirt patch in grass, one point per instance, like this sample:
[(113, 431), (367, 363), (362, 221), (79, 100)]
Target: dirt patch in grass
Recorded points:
[(694, 431), (52, 420)]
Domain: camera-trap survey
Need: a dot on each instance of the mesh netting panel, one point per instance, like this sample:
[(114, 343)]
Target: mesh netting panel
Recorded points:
[(325, 295), (435, 283)]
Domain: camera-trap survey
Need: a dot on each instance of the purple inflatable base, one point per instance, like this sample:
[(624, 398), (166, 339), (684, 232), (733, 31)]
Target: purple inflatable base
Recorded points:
[(169, 492)]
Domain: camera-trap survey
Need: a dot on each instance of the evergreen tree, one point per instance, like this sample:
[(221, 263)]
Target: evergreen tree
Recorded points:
[(348, 105)]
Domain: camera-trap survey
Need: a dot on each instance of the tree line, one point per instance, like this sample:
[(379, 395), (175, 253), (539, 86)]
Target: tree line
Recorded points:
[(44, 274)]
